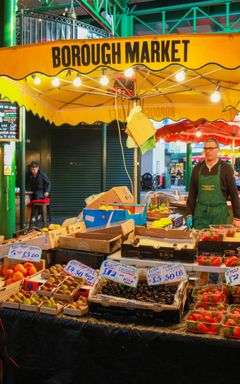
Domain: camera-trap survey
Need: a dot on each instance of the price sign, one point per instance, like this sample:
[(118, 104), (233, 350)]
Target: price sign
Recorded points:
[(77, 269), (232, 276), (25, 252), (166, 274), (122, 274)]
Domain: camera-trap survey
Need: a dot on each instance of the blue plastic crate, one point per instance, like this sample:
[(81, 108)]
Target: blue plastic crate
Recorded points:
[(100, 217)]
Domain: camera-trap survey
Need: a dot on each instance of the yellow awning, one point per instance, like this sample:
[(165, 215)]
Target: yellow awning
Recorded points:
[(209, 61)]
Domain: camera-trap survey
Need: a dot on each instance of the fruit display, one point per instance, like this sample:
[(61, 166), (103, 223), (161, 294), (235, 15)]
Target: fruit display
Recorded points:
[(232, 289), (17, 272), (163, 294), (50, 285), (51, 306), (228, 230), (209, 294), (234, 309), (220, 307), (156, 211), (204, 322), (232, 261), (210, 259), (231, 326), (77, 308), (18, 298), (68, 288), (55, 270), (211, 235)]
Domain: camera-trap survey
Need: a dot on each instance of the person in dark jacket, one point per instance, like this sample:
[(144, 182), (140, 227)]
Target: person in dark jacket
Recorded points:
[(38, 182), (212, 184)]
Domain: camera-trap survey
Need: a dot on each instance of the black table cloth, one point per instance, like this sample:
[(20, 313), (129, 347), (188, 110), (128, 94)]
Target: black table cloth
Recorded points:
[(62, 350)]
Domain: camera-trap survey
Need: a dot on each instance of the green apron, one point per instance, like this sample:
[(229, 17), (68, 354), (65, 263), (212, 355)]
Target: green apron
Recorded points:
[(211, 205)]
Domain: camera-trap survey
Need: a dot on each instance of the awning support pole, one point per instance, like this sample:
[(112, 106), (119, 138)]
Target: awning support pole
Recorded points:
[(188, 165)]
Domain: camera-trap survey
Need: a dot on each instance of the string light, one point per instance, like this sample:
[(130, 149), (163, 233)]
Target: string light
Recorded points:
[(36, 79), (198, 134), (129, 72), (104, 80), (55, 82), (216, 95), (180, 75), (77, 81)]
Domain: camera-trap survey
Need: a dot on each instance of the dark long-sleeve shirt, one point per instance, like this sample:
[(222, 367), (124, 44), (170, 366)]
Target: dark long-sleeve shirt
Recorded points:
[(227, 182), (39, 185)]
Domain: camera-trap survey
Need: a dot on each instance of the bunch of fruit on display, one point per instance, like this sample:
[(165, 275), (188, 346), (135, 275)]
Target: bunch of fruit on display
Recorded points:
[(55, 270), (234, 309), (231, 326), (77, 308), (51, 284), (210, 259), (79, 303), (232, 261), (20, 296), (210, 235), (220, 307), (163, 294), (16, 272), (68, 288), (209, 294), (52, 303), (204, 321)]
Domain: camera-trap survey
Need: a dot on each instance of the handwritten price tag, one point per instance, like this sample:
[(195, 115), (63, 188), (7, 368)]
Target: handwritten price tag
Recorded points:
[(232, 276), (123, 274), (166, 274), (75, 268), (25, 252)]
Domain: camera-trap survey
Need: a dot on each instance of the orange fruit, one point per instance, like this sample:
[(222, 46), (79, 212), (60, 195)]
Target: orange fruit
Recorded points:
[(28, 265), (31, 271), (20, 268), (9, 272), (17, 276)]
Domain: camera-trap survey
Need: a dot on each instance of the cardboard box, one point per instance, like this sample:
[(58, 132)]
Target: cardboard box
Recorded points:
[(114, 195), (105, 240), (77, 227), (47, 240)]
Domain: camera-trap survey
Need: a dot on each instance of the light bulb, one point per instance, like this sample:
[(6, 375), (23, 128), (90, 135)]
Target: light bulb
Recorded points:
[(104, 80), (198, 134), (37, 80), (215, 96), (55, 82), (180, 76), (77, 81), (129, 72)]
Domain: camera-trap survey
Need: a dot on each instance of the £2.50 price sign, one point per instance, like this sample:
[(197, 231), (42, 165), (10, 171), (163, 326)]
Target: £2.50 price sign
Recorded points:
[(77, 269), (166, 274), (120, 273), (25, 252), (232, 276)]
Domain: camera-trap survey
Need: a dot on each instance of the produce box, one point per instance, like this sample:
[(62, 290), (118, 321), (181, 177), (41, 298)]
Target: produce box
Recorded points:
[(77, 308), (114, 195), (103, 301), (63, 256), (77, 227), (48, 239), (68, 289), (8, 290), (231, 326), (221, 243), (204, 322), (160, 244), (105, 240), (51, 307)]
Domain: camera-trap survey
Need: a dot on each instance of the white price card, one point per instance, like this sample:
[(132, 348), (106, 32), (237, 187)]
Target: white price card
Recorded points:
[(166, 274), (25, 252), (123, 274), (75, 268), (232, 276)]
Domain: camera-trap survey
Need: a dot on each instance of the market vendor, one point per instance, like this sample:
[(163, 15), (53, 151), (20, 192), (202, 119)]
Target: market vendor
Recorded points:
[(212, 184), (38, 182)]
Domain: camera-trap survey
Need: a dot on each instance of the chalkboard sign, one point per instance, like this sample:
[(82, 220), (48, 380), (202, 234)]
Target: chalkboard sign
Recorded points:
[(9, 121)]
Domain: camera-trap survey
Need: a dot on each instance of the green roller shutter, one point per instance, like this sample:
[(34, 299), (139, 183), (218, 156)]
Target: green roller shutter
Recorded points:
[(116, 175), (75, 169)]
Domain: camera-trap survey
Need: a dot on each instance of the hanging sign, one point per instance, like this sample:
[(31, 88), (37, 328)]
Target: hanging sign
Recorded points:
[(25, 252), (166, 274), (120, 273), (77, 269), (9, 121), (232, 276)]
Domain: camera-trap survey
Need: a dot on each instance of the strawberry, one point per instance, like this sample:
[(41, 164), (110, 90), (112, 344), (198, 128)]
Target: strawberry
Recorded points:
[(227, 332), (197, 316), (208, 319), (231, 322), (202, 328), (236, 332)]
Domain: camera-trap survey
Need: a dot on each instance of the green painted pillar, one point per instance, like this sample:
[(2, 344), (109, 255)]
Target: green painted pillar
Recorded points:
[(188, 165), (104, 158), (7, 150), (22, 168)]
